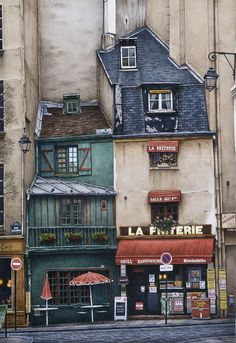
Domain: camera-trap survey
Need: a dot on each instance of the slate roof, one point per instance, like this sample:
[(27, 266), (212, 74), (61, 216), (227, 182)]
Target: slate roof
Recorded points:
[(51, 122), (153, 61), (154, 67), (65, 186)]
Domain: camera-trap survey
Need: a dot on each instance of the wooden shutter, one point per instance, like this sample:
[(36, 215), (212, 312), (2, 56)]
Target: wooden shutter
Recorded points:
[(85, 163), (47, 160)]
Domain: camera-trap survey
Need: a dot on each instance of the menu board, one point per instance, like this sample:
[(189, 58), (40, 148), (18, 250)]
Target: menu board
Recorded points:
[(120, 308)]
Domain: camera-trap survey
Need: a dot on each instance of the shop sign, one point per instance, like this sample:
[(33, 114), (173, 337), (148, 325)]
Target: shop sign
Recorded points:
[(178, 230), (163, 146), (120, 308), (153, 289), (123, 280), (166, 267), (228, 220), (200, 308), (139, 306)]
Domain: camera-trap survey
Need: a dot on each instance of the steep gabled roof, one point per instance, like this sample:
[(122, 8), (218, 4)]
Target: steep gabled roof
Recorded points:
[(154, 64)]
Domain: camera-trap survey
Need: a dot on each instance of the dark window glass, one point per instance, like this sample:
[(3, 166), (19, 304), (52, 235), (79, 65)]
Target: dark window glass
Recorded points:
[(163, 159), (5, 281), (165, 210)]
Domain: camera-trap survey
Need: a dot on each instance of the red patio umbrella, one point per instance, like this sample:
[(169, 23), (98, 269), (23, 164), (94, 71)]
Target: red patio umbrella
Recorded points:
[(46, 294), (89, 279)]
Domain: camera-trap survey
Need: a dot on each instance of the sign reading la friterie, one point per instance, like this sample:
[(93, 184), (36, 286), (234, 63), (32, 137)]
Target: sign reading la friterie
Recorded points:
[(178, 230)]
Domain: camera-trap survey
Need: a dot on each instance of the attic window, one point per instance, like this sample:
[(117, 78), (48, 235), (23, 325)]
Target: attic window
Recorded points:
[(71, 103), (128, 57), (160, 100)]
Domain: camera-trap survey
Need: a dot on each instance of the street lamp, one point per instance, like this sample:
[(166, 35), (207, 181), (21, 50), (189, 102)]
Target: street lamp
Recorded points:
[(24, 143), (211, 76)]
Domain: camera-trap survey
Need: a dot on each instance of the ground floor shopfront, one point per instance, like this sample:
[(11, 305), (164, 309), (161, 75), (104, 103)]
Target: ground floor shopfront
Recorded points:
[(146, 281), (71, 302)]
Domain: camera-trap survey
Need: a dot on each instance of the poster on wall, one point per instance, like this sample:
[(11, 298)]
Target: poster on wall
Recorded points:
[(211, 289), (222, 287)]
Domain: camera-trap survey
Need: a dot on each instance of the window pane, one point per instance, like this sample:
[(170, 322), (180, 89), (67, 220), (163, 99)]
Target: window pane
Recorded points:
[(164, 210), (131, 52), (5, 282), (132, 62), (125, 52)]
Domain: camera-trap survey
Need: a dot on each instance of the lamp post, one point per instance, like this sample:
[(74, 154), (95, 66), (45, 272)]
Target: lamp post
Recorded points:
[(25, 144), (211, 76)]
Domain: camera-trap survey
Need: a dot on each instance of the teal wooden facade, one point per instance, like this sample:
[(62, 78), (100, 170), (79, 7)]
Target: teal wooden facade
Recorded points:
[(71, 224)]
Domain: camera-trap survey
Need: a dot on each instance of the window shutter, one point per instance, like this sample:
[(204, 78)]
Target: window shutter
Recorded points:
[(85, 163), (47, 160)]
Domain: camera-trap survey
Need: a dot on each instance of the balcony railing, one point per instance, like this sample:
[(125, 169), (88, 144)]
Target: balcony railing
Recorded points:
[(41, 237)]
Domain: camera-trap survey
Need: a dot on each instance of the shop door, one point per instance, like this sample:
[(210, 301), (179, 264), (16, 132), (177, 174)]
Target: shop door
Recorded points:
[(142, 292)]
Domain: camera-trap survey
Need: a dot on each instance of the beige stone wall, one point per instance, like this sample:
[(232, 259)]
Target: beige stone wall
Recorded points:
[(106, 96), (19, 72), (70, 33), (158, 18), (194, 177)]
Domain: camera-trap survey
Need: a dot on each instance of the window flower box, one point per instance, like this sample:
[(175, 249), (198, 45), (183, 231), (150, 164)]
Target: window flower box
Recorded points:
[(100, 236), (164, 224), (74, 236), (47, 237)]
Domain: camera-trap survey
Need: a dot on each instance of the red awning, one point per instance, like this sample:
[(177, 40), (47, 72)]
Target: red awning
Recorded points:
[(164, 196), (149, 251), (163, 146)]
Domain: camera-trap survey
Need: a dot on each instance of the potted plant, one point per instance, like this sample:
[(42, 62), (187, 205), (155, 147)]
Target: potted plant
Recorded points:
[(100, 236), (164, 224), (74, 236), (47, 237)]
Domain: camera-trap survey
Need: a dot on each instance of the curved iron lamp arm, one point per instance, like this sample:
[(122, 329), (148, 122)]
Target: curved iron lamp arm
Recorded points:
[(213, 55)]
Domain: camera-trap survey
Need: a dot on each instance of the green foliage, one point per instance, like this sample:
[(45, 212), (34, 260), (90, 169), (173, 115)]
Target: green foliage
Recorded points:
[(100, 236), (164, 224), (47, 237), (74, 236)]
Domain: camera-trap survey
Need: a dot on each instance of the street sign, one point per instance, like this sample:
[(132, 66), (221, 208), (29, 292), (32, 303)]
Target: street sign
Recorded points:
[(166, 258), (16, 263), (166, 267)]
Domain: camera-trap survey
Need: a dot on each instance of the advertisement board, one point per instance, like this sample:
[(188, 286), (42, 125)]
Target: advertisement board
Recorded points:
[(120, 308)]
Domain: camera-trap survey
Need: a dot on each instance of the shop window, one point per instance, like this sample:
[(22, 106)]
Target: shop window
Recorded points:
[(160, 100), (5, 282), (64, 294), (163, 159), (164, 210), (194, 278), (72, 212)]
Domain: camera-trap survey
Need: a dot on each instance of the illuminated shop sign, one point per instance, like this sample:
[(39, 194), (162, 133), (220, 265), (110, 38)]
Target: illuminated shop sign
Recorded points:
[(178, 230)]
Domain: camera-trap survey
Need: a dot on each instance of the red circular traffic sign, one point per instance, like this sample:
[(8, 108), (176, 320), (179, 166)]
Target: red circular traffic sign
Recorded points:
[(16, 263), (166, 258)]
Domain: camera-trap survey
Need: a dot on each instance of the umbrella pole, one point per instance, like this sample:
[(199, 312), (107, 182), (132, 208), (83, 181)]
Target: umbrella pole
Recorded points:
[(91, 302), (46, 312)]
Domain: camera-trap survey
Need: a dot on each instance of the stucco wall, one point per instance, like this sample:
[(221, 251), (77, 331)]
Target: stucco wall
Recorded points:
[(70, 33), (194, 177), (106, 97), (158, 17)]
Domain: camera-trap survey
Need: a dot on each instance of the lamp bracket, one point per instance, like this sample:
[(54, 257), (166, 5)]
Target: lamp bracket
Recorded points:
[(213, 55)]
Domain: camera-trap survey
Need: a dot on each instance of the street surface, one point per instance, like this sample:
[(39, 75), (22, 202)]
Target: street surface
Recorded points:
[(207, 333)]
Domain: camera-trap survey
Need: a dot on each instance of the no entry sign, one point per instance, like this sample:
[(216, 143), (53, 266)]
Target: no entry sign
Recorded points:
[(16, 263)]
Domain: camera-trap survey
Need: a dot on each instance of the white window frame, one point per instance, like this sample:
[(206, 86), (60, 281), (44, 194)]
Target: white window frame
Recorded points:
[(122, 57), (72, 102), (160, 95)]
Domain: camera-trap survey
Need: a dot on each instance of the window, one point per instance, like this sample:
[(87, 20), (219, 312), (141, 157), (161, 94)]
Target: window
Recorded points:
[(71, 103), (67, 159), (72, 107), (72, 212), (5, 281), (160, 101), (163, 159), (1, 32), (128, 57), (1, 197), (62, 293), (164, 210), (1, 107)]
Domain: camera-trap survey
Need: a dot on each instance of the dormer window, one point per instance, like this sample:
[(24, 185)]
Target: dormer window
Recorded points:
[(71, 103), (128, 57), (160, 100)]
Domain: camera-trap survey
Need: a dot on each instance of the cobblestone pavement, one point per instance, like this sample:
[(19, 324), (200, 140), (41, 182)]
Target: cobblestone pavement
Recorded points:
[(133, 332)]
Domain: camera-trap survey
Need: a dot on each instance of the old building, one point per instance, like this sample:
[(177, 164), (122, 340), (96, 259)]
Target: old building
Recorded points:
[(18, 102), (71, 209), (163, 152)]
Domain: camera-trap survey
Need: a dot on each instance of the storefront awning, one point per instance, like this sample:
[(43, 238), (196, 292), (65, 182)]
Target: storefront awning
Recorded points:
[(149, 251), (164, 196), (163, 146)]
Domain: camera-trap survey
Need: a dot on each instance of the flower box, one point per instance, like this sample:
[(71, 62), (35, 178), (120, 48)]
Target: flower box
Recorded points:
[(47, 237), (74, 236), (100, 236)]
